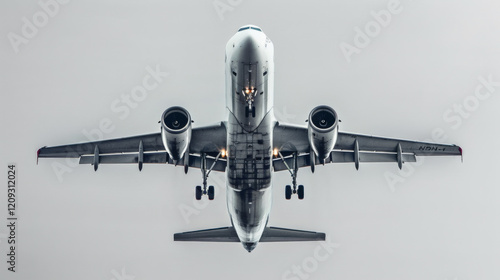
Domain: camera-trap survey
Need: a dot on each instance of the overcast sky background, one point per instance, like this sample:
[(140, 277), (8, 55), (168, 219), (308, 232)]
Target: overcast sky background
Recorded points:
[(438, 221)]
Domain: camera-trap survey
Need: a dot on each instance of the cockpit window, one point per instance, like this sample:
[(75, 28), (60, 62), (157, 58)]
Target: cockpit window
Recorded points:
[(249, 27)]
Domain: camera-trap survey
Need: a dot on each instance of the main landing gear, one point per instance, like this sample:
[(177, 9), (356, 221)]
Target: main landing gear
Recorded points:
[(210, 191), (299, 191), (292, 189)]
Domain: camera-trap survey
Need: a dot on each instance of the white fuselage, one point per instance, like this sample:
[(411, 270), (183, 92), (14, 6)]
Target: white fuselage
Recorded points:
[(249, 97)]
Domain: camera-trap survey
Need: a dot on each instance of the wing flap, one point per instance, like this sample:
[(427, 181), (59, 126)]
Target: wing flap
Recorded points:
[(342, 157), (161, 157)]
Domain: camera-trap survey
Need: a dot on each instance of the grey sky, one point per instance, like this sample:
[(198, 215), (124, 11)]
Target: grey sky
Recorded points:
[(435, 220)]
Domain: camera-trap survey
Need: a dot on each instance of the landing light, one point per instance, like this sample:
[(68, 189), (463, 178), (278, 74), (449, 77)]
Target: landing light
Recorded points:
[(223, 153), (275, 152)]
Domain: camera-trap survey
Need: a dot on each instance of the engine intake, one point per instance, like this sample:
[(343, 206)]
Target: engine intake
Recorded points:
[(176, 131), (322, 131)]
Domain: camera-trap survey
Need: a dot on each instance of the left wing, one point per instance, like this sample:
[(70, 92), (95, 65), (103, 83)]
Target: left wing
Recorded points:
[(144, 149), (351, 147)]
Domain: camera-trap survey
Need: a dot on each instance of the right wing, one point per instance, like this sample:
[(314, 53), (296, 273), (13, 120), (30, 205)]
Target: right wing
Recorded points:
[(351, 147), (144, 149)]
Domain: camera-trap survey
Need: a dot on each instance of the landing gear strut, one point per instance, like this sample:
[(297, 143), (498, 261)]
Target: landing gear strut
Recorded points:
[(210, 191), (289, 190), (249, 94)]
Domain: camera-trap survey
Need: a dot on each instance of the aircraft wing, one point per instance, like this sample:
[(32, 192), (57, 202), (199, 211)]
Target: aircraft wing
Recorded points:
[(351, 147), (141, 149)]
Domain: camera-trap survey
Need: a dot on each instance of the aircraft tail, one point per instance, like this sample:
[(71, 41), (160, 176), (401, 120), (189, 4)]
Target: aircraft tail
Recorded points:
[(228, 234)]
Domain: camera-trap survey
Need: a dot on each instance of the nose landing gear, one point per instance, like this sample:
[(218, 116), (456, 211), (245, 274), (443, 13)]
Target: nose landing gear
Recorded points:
[(250, 94)]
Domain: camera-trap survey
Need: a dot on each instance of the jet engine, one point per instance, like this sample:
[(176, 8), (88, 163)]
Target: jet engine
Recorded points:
[(176, 131), (322, 131)]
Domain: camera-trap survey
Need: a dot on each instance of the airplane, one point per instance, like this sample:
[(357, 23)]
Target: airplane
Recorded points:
[(249, 146)]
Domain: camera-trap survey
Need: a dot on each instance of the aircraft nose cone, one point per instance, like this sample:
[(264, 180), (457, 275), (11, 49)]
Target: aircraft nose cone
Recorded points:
[(250, 43), (249, 246)]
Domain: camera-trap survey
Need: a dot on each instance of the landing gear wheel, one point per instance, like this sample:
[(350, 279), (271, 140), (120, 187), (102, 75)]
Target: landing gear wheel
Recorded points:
[(300, 192), (198, 193), (253, 112), (211, 192), (288, 192)]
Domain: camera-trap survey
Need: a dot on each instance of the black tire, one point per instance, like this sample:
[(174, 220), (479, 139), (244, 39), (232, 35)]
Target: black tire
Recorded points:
[(246, 112), (197, 193), (253, 112), (300, 192), (211, 192), (288, 192)]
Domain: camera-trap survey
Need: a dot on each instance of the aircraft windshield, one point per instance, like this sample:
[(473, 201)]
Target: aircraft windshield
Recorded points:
[(249, 27)]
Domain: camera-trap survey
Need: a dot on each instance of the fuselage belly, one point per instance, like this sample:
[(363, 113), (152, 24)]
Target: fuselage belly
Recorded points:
[(249, 96)]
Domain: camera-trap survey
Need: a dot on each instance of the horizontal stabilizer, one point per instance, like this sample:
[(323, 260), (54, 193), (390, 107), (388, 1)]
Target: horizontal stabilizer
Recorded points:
[(274, 234), (224, 234), (228, 234)]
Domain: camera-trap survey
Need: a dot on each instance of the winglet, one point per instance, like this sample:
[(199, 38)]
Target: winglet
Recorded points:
[(461, 153), (37, 155)]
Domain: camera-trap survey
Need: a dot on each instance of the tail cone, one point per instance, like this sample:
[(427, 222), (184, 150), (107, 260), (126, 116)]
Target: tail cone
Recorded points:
[(249, 246)]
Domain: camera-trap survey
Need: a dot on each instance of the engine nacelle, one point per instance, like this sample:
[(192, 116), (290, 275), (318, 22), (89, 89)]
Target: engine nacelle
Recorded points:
[(176, 131), (322, 131)]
